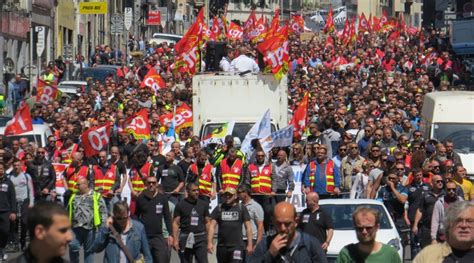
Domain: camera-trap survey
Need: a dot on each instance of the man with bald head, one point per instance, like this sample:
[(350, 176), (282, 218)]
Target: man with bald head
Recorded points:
[(289, 244), (316, 222), (87, 211)]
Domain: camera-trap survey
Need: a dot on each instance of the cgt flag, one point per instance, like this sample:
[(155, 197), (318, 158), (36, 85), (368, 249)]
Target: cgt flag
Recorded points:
[(45, 93), (20, 123), (139, 125), (153, 80), (299, 117), (95, 139), (275, 52)]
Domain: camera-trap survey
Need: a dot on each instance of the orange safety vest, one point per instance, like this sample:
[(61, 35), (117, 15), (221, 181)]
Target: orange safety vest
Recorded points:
[(73, 177), (104, 182), (138, 183), (231, 175), (68, 158), (329, 175), (261, 182), (205, 179)]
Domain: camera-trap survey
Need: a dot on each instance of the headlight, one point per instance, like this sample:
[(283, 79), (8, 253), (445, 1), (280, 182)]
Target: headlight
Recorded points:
[(394, 243)]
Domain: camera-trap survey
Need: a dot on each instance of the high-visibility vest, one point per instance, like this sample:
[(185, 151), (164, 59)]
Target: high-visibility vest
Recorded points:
[(329, 175), (261, 182), (137, 182), (204, 179), (95, 207), (73, 177), (231, 175), (68, 158), (105, 181)]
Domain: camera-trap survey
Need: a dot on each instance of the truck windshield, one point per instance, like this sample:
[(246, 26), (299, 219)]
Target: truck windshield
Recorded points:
[(240, 129), (462, 135)]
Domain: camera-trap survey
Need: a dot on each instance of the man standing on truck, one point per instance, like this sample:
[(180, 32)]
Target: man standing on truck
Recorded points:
[(244, 63)]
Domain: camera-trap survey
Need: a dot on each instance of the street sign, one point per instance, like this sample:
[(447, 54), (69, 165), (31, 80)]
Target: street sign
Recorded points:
[(67, 52), (128, 17), (41, 40), (92, 8), (116, 26)]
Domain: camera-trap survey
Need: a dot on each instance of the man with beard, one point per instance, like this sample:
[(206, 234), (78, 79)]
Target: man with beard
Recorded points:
[(200, 173), (171, 177), (230, 172), (289, 244), (459, 231), (106, 178), (230, 216), (42, 173), (321, 177), (366, 223)]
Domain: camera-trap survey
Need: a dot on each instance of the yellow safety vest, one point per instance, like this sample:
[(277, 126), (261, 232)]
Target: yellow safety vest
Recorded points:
[(95, 207)]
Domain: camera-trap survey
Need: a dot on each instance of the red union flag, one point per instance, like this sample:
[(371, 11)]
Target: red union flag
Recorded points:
[(275, 52), (258, 29), (363, 23), (139, 125), (183, 117), (299, 118), (45, 93), (95, 139), (154, 18), (296, 25), (215, 30), (189, 59), (235, 32), (153, 80), (329, 26), (20, 123)]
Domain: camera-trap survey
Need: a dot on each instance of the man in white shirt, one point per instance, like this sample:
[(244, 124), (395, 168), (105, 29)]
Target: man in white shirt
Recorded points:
[(243, 62), (224, 64)]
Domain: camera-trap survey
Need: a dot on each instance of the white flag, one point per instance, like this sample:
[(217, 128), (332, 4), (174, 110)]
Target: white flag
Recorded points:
[(283, 137), (261, 129)]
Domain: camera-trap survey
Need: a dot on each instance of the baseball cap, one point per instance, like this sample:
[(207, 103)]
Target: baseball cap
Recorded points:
[(230, 190)]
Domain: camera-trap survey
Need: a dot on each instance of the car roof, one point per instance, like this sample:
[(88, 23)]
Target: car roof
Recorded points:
[(72, 82), (349, 202), (107, 66)]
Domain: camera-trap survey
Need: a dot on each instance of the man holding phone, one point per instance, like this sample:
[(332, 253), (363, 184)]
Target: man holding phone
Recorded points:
[(289, 244)]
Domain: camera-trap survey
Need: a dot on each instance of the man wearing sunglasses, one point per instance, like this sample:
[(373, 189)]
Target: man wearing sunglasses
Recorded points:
[(366, 223), (42, 173), (425, 210)]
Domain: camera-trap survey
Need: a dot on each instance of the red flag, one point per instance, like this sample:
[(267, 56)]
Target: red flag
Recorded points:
[(215, 29), (235, 32), (296, 25), (45, 93), (383, 19), (329, 26), (329, 42), (376, 24), (193, 30), (363, 23), (139, 125), (250, 23), (299, 118), (394, 35), (346, 31), (153, 80), (275, 53), (370, 22), (183, 117), (20, 123), (258, 30), (95, 139)]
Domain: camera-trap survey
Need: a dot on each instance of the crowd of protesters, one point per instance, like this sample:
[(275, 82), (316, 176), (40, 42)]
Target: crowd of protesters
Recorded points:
[(364, 109)]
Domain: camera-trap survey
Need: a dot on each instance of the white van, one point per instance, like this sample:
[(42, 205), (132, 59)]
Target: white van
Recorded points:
[(450, 115), (159, 38), (38, 135)]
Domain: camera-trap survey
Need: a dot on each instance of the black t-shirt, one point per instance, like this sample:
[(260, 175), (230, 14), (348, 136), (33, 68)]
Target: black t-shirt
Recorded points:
[(170, 175), (186, 209), (415, 193), (426, 206), (184, 165), (151, 210), (230, 220), (460, 256), (315, 224), (158, 160)]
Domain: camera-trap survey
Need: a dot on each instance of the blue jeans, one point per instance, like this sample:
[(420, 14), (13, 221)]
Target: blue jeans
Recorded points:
[(82, 237)]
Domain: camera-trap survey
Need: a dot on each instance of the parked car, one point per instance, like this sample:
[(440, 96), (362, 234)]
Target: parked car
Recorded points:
[(99, 72), (72, 87), (341, 210), (38, 135)]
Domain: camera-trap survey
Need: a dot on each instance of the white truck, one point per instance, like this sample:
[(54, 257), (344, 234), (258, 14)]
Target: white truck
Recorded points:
[(450, 115), (224, 97)]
